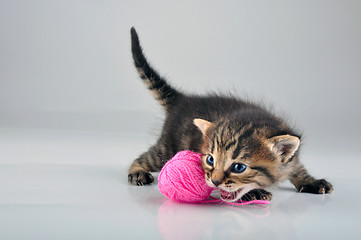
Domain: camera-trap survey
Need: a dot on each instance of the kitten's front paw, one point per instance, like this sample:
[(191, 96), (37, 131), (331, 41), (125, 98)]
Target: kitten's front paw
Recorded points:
[(140, 178), (319, 186), (257, 194)]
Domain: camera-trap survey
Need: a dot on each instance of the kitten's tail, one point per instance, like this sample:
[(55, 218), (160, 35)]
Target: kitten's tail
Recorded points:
[(164, 93)]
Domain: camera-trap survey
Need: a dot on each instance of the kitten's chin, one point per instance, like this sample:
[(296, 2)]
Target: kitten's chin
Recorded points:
[(233, 196)]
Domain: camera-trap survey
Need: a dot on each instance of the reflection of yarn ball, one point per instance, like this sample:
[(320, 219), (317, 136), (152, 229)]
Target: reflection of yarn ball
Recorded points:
[(182, 178)]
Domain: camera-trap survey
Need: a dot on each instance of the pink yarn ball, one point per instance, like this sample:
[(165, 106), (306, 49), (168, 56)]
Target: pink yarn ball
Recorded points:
[(182, 178)]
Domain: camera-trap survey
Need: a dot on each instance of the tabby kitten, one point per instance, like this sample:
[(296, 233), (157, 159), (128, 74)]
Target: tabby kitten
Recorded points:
[(245, 148)]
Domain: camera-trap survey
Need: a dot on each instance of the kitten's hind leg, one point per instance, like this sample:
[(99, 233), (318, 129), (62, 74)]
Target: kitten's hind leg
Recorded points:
[(150, 161), (304, 182), (257, 194)]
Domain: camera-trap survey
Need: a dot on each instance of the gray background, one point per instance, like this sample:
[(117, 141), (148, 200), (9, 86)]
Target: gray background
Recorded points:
[(73, 57), (73, 113)]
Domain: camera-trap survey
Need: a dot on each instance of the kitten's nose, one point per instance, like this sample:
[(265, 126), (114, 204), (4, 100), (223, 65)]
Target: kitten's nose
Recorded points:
[(216, 182)]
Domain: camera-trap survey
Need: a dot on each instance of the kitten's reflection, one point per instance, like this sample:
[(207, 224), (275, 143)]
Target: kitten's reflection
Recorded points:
[(188, 221), (221, 221)]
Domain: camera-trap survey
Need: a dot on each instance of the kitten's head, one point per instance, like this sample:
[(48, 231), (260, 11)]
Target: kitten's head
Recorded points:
[(238, 159)]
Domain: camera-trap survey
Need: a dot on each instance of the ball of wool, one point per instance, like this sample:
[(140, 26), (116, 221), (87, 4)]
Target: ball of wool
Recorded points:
[(182, 178)]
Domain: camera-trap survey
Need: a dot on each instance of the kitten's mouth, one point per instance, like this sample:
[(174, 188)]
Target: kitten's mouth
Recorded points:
[(230, 196)]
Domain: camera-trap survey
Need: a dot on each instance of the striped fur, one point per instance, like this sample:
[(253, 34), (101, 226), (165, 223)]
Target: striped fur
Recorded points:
[(231, 131), (164, 93)]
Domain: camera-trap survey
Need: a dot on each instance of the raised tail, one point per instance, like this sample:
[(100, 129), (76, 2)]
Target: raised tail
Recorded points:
[(161, 90)]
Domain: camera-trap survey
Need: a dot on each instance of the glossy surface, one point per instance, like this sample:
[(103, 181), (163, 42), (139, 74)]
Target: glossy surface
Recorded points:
[(73, 185)]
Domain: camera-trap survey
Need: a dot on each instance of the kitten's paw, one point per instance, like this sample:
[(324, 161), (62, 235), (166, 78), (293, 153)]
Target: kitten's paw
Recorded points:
[(319, 186), (257, 194), (140, 178)]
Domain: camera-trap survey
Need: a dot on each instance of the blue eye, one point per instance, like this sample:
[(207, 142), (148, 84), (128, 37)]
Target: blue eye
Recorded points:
[(209, 160), (238, 168)]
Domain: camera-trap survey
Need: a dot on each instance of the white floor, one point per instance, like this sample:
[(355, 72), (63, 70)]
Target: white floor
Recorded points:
[(58, 184)]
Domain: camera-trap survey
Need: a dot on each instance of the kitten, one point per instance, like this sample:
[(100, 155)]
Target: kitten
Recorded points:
[(245, 148)]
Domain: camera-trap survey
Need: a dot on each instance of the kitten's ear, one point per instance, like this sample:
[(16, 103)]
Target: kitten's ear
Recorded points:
[(284, 146), (202, 124)]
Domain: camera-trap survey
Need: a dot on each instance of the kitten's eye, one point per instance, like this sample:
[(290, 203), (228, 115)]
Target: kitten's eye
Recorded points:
[(210, 160), (238, 168)]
